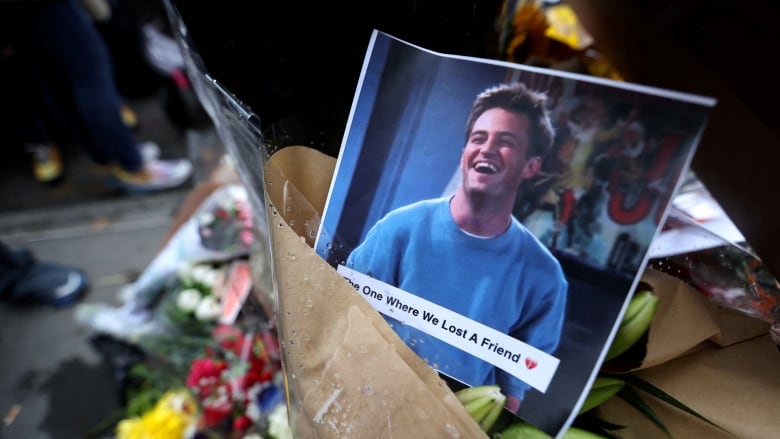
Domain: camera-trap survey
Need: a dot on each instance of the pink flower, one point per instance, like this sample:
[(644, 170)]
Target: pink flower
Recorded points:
[(243, 213), (230, 338), (247, 237)]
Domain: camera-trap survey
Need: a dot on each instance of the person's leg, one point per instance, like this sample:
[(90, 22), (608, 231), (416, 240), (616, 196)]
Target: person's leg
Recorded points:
[(62, 34), (71, 42), (28, 97)]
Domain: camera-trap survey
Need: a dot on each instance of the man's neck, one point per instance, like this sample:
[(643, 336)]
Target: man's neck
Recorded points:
[(481, 217)]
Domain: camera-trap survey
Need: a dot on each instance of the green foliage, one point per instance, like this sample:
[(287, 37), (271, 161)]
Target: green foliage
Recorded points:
[(151, 381), (634, 399), (634, 325)]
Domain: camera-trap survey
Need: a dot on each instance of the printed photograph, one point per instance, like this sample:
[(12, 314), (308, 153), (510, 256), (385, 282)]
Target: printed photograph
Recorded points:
[(506, 197)]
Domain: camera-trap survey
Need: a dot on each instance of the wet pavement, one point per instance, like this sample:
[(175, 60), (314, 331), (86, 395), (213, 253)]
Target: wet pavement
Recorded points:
[(57, 379)]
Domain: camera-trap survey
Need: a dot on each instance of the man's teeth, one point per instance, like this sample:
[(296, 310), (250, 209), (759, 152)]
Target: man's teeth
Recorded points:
[(485, 168)]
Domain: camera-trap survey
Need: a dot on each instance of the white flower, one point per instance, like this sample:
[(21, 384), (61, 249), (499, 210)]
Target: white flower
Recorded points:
[(206, 218), (253, 408), (278, 425), (209, 309), (184, 270), (201, 274), (188, 300), (210, 278)]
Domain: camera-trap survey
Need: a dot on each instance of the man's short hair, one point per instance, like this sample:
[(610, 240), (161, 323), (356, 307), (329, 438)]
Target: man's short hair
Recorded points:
[(517, 98)]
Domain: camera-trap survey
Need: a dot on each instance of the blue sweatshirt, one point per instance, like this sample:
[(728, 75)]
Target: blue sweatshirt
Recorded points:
[(510, 282)]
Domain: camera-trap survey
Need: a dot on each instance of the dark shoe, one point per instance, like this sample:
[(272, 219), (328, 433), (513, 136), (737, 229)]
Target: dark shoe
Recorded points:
[(50, 284)]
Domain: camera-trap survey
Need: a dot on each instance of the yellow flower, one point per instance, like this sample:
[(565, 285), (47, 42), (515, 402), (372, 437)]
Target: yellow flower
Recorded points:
[(173, 417)]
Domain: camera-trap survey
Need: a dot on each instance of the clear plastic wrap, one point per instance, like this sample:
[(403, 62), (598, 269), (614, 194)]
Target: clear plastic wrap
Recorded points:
[(347, 374), (725, 272)]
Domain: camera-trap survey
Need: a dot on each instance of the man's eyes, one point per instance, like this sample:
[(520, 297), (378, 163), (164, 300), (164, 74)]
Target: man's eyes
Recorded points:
[(505, 141)]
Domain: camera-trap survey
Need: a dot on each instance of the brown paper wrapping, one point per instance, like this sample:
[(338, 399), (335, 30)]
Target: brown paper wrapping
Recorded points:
[(737, 387), (686, 321), (347, 373), (721, 363)]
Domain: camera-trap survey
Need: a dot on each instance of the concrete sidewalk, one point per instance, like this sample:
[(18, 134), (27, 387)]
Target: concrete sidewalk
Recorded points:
[(53, 382)]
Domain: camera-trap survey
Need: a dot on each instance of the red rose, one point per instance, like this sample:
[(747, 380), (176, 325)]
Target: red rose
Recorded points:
[(222, 213), (215, 414), (204, 368), (241, 423)]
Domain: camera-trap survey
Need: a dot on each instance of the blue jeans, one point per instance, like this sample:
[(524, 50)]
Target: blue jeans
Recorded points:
[(62, 36)]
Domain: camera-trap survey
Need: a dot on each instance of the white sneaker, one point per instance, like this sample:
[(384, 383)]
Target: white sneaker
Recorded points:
[(149, 150), (155, 175)]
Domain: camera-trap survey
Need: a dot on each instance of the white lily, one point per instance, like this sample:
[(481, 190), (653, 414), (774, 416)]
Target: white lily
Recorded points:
[(209, 309), (188, 300), (201, 274)]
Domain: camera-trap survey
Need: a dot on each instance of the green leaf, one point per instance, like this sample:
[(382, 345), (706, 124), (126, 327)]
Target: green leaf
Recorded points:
[(604, 387), (646, 386), (630, 396), (589, 421)]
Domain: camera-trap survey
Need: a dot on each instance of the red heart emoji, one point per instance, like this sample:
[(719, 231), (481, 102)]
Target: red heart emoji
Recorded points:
[(530, 363)]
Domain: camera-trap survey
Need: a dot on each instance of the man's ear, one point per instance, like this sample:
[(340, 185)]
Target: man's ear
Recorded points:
[(532, 167)]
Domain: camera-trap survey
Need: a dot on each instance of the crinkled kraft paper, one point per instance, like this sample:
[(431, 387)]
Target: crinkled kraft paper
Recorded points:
[(347, 373), (686, 321), (720, 363)]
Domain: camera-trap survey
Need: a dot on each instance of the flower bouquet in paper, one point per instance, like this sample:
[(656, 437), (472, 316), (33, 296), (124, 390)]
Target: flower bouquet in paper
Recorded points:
[(347, 371)]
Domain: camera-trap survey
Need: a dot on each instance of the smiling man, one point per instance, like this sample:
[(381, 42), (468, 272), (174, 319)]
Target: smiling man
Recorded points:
[(469, 253)]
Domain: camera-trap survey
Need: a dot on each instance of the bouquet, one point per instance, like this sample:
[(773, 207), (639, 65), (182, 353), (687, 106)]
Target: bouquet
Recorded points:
[(229, 387), (234, 382)]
